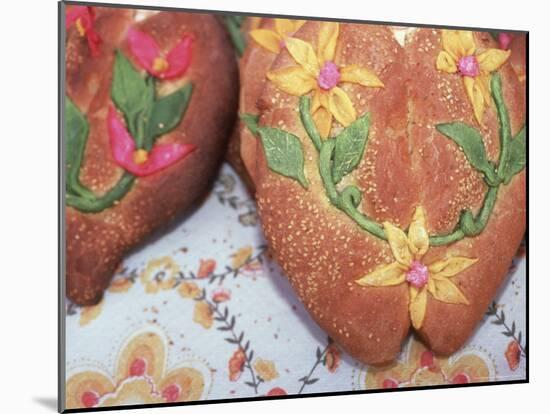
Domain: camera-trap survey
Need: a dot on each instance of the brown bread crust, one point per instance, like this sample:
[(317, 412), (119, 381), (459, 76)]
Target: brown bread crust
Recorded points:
[(407, 163), (96, 243)]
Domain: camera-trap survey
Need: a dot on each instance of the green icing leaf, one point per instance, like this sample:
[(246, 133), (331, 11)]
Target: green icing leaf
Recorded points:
[(471, 142), (349, 148), (517, 156), (251, 122), (168, 111), (284, 153), (133, 95), (233, 25), (76, 133)]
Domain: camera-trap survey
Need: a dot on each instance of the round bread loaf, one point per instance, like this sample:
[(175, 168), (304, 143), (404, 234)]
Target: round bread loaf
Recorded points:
[(96, 241), (409, 175)]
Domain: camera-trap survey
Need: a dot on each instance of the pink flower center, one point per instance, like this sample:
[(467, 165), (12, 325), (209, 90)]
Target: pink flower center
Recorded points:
[(89, 399), (329, 76), (460, 379), (468, 66), (171, 393), (390, 383), (138, 367), (417, 274)]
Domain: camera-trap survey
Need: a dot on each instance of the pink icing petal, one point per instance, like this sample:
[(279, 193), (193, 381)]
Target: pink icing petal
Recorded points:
[(144, 48), (122, 144), (468, 66), (504, 40), (161, 157), (123, 148), (74, 13), (178, 58)]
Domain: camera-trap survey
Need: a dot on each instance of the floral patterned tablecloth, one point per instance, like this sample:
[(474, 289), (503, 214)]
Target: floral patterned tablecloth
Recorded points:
[(202, 312)]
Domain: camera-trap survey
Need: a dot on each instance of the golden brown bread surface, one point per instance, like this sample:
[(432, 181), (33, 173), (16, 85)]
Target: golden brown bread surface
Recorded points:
[(407, 163), (97, 242)]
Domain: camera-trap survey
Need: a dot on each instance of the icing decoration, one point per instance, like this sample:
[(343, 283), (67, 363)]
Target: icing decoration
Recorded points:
[(77, 195), (146, 118), (283, 152), (233, 25), (163, 66), (329, 76), (139, 162), (76, 135), (318, 72), (460, 55), (340, 155), (417, 275), (133, 147), (468, 66), (504, 40), (435, 279), (274, 40), (83, 18), (251, 122)]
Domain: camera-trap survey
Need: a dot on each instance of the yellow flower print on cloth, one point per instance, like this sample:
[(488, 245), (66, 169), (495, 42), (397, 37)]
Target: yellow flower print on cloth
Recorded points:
[(318, 72), (141, 376), (274, 40), (160, 274), (408, 251), (460, 55)]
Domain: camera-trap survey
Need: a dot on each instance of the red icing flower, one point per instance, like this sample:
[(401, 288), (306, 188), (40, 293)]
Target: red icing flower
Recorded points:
[(83, 18), (164, 66), (138, 161)]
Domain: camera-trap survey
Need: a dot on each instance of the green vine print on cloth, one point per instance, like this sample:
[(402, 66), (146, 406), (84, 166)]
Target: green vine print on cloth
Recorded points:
[(147, 118), (340, 155)]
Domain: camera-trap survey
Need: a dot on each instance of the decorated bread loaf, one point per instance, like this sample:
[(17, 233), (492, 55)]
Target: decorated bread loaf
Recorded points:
[(389, 177), (150, 101)]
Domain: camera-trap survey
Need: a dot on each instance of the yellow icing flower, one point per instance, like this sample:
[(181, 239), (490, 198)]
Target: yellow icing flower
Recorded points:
[(435, 278), (274, 40), (266, 369), (317, 72), (460, 55)]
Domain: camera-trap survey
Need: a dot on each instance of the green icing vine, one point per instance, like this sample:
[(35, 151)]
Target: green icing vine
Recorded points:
[(146, 116), (340, 155)]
